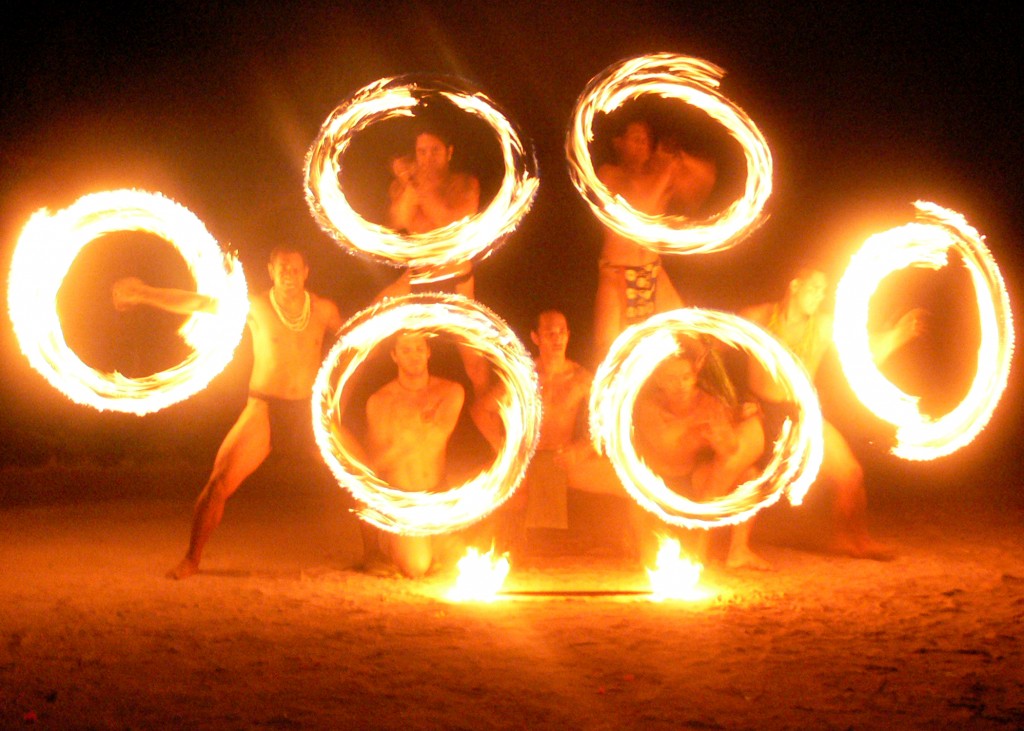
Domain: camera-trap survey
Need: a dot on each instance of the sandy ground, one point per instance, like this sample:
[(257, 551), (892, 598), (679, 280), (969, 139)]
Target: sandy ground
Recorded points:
[(278, 632)]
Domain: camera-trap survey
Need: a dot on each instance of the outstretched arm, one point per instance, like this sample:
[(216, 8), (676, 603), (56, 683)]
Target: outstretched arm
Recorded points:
[(884, 343), (131, 292)]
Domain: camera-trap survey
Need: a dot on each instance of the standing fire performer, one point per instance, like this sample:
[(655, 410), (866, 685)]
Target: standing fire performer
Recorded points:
[(799, 321), (564, 459), (654, 180), (542, 501), (288, 325), (697, 442), (564, 390), (410, 420), (427, 194)]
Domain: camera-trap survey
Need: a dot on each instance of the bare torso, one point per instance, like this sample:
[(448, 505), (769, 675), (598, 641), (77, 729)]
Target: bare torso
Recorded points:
[(285, 362), (420, 205), (409, 431), (678, 184), (807, 337), (563, 393), (672, 440), (646, 192)]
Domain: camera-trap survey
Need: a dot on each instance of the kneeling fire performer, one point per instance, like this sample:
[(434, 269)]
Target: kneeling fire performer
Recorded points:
[(288, 325)]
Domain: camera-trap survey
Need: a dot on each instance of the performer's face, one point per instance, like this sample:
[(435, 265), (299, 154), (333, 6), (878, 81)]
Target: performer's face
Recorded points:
[(288, 272), (432, 155), (676, 379), (634, 144), (411, 354), (809, 292), (552, 334)]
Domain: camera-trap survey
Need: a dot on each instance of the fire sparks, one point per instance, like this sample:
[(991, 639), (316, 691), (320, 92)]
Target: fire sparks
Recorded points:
[(796, 455), (46, 249), (925, 243), (694, 82), (471, 324), (673, 576), (481, 576), (457, 243)]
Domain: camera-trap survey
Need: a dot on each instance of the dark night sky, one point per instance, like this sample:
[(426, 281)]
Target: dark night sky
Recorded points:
[(866, 109)]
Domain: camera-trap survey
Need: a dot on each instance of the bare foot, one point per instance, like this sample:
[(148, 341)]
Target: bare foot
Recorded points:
[(183, 570), (744, 558)]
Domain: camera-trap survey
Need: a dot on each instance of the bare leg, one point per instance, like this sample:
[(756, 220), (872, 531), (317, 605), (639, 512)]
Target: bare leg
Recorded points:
[(840, 466), (646, 529), (411, 554), (594, 473), (666, 297), (740, 554), (726, 475), (608, 307), (243, 450), (374, 560)]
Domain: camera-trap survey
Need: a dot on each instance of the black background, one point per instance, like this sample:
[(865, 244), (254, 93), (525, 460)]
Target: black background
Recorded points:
[(215, 105)]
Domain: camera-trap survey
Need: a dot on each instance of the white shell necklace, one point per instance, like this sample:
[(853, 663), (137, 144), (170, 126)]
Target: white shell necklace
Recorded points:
[(295, 324)]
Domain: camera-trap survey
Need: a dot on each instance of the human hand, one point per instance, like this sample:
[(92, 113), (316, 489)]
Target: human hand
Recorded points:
[(403, 168), (749, 409), (127, 293), (912, 324)]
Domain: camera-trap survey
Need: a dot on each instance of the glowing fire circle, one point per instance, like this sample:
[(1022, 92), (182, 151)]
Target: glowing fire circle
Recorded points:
[(694, 82), (469, 324), (46, 249), (796, 455), (457, 243), (925, 243)]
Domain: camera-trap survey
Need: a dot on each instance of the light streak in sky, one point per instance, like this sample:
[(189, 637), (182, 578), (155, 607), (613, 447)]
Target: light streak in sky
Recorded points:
[(459, 242), (694, 82), (925, 243), (45, 251), (633, 357), (467, 323)]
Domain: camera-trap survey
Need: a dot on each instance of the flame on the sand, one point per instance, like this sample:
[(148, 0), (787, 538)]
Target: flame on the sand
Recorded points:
[(46, 249), (469, 324), (481, 576), (796, 455), (925, 243), (460, 242), (674, 576), (694, 82)]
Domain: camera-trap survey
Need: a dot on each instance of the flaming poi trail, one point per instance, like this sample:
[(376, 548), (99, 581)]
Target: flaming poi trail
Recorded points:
[(457, 243), (467, 323), (925, 242), (796, 455), (695, 82), (46, 249)]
